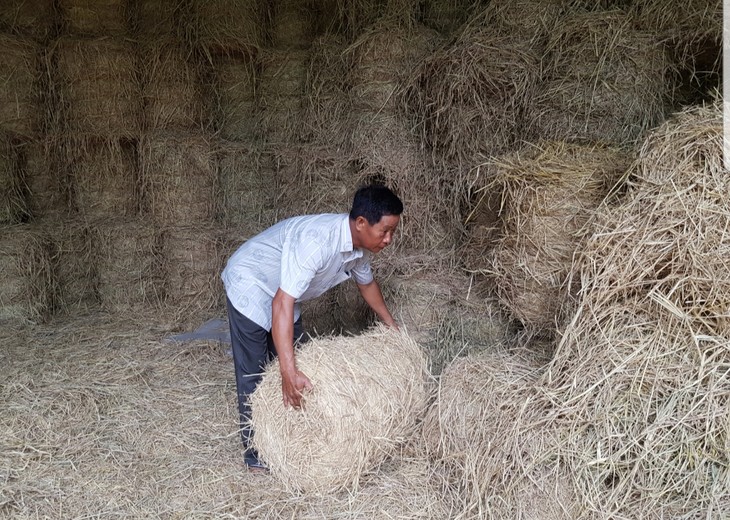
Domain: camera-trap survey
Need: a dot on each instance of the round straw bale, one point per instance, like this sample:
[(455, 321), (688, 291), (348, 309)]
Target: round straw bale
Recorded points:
[(227, 24), (97, 87), (292, 24), (172, 87), (235, 77), (470, 97), (158, 18), (549, 193), (20, 91), (368, 393), (26, 283), (73, 264), (248, 188), (94, 17), (12, 196), (103, 175), (48, 186), (383, 57), (128, 258), (604, 80), (33, 18), (484, 430), (179, 178), (445, 314), (192, 262), (482, 228)]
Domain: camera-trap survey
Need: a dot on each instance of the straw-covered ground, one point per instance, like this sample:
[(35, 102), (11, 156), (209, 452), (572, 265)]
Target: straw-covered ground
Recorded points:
[(103, 419)]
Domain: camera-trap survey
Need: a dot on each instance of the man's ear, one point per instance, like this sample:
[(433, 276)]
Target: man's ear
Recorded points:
[(360, 223)]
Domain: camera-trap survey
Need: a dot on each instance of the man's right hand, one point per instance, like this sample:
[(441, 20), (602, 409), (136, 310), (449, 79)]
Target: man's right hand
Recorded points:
[(293, 385)]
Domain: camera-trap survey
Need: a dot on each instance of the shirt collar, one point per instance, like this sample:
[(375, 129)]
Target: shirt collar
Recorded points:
[(346, 238)]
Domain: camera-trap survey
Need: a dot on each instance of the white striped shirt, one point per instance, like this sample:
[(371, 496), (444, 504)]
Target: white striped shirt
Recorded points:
[(304, 256)]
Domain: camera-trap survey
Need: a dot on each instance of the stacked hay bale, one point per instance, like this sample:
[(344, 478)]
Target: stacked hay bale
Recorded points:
[(48, 190), (34, 18), (73, 264), (94, 17), (181, 194), (549, 193), (97, 88), (368, 394), (128, 256), (485, 431), (21, 72), (234, 81), (26, 291), (12, 199), (603, 80), (471, 97), (172, 86), (103, 177), (643, 362)]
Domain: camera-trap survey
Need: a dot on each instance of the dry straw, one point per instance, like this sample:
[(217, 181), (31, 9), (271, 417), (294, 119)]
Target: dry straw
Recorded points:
[(47, 183), (248, 188), (94, 17), (73, 265), (281, 88), (172, 86), (446, 16), (643, 362), (97, 87), (179, 178), (382, 58), (192, 263), (127, 254), (152, 19), (116, 393), (470, 96), (369, 391), (234, 82), (20, 85), (103, 176), (26, 283), (549, 193), (686, 26), (292, 24), (445, 313), (12, 197), (33, 18), (603, 80), (484, 430), (226, 25)]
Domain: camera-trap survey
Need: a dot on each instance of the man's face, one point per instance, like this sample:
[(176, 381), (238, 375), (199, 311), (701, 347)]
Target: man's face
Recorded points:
[(374, 238)]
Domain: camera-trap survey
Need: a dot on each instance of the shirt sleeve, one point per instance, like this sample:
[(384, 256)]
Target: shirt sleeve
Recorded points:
[(301, 259), (362, 272)]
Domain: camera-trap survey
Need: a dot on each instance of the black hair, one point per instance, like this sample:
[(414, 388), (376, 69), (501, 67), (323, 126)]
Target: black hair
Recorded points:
[(374, 201)]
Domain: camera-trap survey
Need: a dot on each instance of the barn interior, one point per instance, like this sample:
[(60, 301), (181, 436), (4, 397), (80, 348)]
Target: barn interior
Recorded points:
[(562, 258)]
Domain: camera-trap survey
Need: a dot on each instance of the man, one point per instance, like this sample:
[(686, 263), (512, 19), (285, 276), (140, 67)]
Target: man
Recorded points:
[(295, 260)]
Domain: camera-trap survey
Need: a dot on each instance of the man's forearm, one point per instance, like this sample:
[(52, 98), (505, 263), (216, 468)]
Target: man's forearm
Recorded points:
[(374, 298), (282, 330)]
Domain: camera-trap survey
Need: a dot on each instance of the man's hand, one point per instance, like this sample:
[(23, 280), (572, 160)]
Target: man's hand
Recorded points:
[(293, 385)]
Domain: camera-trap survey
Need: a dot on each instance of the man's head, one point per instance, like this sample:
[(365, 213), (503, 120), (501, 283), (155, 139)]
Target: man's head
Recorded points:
[(374, 217)]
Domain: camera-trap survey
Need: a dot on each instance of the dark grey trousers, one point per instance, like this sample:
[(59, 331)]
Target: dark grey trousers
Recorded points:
[(253, 348)]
